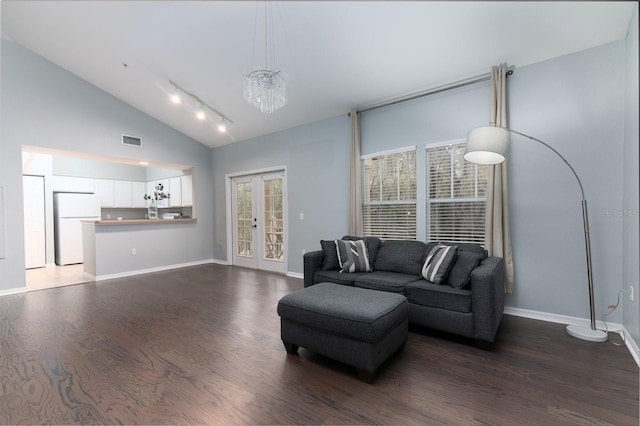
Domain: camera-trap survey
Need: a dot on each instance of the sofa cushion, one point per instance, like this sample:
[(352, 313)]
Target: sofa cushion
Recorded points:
[(385, 281), (352, 256), (422, 292), (330, 261), (405, 256), (373, 246), (470, 247), (338, 277), (438, 263), (460, 273)]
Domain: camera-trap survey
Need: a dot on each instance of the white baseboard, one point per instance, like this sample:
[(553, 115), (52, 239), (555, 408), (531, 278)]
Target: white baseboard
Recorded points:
[(148, 270), (11, 291), (220, 262), (295, 275), (565, 319)]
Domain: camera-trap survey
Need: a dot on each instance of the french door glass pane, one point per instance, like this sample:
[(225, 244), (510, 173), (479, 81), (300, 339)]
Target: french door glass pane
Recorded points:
[(244, 212), (273, 223)]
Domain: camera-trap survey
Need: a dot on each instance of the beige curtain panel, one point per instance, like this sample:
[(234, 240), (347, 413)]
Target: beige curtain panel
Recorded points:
[(498, 229), (355, 185)]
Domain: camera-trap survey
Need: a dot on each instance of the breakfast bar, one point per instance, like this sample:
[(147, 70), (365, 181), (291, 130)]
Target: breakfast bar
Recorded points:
[(115, 248)]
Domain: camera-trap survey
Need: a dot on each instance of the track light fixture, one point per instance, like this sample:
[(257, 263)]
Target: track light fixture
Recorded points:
[(201, 111)]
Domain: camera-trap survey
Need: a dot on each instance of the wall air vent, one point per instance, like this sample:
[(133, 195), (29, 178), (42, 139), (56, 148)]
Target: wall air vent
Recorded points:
[(131, 140)]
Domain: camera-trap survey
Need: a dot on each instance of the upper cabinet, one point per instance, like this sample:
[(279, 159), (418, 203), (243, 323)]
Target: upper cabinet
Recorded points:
[(105, 191), (187, 190), (181, 188), (175, 188), (138, 189), (115, 193), (120, 193)]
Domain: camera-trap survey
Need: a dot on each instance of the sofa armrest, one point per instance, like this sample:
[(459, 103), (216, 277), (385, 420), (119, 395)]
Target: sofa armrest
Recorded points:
[(487, 298), (312, 262)]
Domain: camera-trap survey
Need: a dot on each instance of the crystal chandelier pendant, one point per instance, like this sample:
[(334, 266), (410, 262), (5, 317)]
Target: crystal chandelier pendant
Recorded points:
[(266, 90)]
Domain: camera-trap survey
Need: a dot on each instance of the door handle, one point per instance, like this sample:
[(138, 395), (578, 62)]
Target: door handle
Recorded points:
[(255, 220)]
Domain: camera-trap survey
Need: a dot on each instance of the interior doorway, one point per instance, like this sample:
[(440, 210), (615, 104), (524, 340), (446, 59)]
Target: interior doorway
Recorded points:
[(258, 221), (40, 275)]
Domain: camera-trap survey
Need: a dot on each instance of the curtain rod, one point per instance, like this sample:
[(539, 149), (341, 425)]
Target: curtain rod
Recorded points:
[(435, 90)]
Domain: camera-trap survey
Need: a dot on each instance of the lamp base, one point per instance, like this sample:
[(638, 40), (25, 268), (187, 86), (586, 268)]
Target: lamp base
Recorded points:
[(586, 333)]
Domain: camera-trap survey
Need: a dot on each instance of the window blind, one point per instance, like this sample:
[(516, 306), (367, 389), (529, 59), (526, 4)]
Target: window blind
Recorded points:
[(389, 192), (456, 196)]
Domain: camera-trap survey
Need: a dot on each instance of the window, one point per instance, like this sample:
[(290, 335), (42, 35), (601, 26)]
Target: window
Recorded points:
[(389, 192), (456, 196)]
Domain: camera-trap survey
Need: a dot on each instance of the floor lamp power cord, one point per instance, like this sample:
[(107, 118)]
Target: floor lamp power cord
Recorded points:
[(606, 328)]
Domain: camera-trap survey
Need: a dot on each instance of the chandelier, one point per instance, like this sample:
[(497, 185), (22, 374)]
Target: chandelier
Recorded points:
[(263, 88)]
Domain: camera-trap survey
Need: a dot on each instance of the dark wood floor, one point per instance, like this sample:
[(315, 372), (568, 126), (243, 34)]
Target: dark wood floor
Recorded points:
[(201, 345)]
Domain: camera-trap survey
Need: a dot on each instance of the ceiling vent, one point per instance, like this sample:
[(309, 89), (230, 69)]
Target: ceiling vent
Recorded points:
[(131, 140)]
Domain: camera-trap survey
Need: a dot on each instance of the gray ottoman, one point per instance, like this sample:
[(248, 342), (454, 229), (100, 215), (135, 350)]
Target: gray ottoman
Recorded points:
[(359, 327)]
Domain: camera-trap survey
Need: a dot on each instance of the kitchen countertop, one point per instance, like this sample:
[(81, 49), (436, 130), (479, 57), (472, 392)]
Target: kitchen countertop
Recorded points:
[(111, 222)]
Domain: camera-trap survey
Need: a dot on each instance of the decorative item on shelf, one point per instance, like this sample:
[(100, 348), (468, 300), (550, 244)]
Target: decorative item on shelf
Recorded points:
[(158, 195)]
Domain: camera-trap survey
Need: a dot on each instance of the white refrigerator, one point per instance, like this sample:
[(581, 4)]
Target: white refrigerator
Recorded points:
[(69, 209)]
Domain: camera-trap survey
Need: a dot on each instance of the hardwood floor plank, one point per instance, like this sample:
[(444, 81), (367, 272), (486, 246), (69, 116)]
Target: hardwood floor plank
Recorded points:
[(201, 345), (14, 410)]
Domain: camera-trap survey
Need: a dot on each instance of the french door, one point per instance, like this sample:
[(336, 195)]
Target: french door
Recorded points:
[(259, 222)]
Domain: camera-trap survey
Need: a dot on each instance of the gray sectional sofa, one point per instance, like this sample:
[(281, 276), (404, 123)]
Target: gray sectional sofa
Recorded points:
[(469, 301)]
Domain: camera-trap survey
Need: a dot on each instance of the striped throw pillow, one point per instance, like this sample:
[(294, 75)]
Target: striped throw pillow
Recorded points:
[(439, 263), (352, 256)]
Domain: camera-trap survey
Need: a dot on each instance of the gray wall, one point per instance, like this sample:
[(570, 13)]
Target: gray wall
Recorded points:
[(575, 104), (316, 157), (631, 191), (572, 102), (45, 106)]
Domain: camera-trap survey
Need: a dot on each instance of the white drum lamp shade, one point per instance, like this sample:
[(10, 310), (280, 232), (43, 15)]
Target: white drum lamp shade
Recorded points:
[(487, 145)]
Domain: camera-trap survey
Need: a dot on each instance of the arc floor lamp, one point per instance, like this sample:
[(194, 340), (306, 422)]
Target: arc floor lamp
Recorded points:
[(488, 145)]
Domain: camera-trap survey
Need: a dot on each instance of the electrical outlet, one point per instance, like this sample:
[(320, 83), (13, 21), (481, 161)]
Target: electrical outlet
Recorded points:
[(631, 293), (133, 252)]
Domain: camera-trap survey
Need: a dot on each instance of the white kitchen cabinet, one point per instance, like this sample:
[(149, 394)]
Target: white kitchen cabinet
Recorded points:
[(187, 190), (138, 189), (122, 193), (104, 189), (175, 188), (72, 184)]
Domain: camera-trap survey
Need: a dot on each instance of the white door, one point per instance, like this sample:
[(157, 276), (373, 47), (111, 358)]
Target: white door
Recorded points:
[(34, 222), (259, 221)]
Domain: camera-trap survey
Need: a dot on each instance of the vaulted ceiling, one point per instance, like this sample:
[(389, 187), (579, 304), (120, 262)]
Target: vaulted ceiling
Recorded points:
[(336, 54)]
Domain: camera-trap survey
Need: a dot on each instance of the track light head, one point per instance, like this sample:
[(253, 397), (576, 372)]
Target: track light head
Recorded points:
[(201, 113), (175, 96)]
